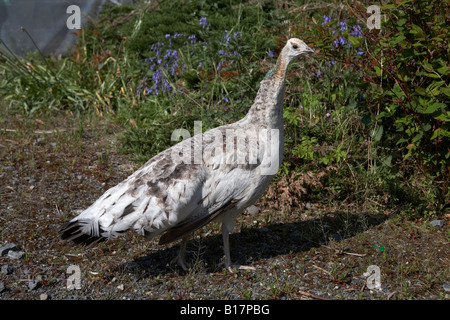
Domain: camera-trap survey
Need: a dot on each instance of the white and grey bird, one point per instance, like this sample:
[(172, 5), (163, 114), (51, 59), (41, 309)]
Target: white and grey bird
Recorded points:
[(213, 176)]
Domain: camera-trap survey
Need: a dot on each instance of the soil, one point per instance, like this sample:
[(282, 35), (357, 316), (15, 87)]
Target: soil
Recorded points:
[(53, 167)]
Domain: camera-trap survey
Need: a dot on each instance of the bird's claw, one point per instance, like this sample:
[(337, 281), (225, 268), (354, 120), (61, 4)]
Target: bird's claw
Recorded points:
[(240, 267), (232, 267), (180, 261)]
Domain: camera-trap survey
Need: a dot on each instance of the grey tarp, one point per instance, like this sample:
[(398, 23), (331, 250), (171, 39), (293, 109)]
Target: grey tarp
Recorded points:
[(45, 21)]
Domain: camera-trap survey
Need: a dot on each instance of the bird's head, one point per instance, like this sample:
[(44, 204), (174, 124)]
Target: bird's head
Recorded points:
[(295, 48)]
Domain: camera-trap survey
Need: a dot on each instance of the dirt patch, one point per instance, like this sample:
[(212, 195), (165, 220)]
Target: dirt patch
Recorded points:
[(53, 168)]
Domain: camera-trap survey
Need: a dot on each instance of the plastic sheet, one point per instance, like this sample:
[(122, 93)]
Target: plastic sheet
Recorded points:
[(46, 22)]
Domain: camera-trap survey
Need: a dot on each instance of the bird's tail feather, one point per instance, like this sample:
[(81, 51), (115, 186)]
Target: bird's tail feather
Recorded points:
[(75, 231)]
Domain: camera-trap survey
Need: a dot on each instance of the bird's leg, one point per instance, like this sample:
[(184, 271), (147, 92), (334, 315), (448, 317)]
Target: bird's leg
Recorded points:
[(226, 249), (180, 258)]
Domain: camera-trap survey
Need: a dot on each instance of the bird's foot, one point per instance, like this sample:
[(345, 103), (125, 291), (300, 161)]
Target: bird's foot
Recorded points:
[(180, 261), (234, 267)]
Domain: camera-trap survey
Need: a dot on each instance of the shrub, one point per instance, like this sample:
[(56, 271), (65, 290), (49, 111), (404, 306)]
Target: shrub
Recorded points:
[(408, 75)]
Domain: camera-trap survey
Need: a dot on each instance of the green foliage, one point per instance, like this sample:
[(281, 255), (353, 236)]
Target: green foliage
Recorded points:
[(368, 113), (193, 64), (32, 85), (410, 83)]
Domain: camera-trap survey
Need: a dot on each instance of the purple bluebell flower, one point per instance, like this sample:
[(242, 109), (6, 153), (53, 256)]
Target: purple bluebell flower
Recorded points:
[(200, 65), (326, 19), (343, 25), (226, 37), (272, 53), (225, 98), (319, 73), (168, 54), (357, 31), (222, 52), (157, 45), (167, 85), (360, 52), (339, 41), (219, 66), (172, 69), (193, 38), (237, 35), (167, 35), (204, 23)]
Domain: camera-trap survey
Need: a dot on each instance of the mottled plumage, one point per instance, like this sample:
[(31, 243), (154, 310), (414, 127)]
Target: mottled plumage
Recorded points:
[(211, 176)]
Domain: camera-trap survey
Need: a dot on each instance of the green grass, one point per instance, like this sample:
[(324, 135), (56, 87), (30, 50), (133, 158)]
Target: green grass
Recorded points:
[(154, 69)]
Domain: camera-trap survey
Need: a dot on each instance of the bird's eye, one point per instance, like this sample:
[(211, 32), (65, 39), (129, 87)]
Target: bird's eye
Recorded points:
[(295, 46)]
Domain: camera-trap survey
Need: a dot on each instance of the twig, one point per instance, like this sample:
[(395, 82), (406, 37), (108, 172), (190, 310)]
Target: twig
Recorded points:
[(376, 202), (390, 295), (313, 295), (444, 261), (39, 131), (321, 269), (349, 253)]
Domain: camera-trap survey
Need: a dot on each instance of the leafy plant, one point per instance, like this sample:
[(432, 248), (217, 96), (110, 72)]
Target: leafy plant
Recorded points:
[(409, 77)]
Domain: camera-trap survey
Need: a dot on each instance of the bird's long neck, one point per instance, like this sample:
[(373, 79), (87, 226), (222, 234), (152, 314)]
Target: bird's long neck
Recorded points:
[(267, 110)]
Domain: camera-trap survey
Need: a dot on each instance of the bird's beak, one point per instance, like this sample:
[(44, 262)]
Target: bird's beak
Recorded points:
[(309, 50)]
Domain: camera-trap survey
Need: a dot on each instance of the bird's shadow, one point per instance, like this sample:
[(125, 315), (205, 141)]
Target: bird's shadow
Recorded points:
[(255, 243)]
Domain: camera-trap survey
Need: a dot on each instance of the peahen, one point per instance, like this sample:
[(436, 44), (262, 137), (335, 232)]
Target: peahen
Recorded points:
[(212, 176)]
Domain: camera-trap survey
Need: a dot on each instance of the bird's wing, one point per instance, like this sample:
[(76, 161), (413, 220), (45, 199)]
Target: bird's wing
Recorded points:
[(190, 226), (229, 181), (158, 196), (167, 194)]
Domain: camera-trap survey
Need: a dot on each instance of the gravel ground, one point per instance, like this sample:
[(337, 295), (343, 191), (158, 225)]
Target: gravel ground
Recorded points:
[(53, 168)]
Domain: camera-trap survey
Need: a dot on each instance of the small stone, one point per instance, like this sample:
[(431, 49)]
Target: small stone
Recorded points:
[(437, 223), (6, 269), (309, 206), (39, 141), (33, 284), (7, 247), (2, 287), (15, 255), (446, 287), (44, 296), (336, 237), (252, 210), (120, 287)]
